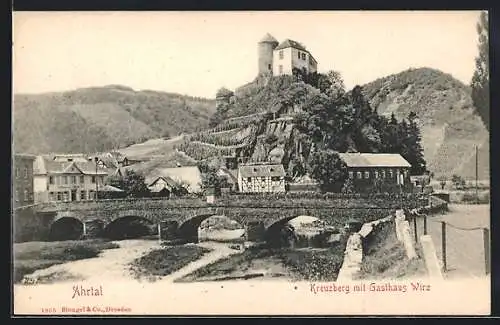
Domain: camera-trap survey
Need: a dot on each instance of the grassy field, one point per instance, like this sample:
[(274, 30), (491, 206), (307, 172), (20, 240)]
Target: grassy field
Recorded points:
[(385, 257), (293, 264), (164, 261), (32, 256)]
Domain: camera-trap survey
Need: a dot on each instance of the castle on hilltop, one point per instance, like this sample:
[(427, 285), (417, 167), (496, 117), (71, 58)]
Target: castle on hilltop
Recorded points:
[(282, 58)]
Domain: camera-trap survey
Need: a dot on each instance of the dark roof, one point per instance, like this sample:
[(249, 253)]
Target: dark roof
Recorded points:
[(268, 38), (290, 43), (357, 159), (261, 170), (44, 165), (170, 182)]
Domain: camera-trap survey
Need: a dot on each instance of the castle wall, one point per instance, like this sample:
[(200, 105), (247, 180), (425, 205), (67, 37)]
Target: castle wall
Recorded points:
[(285, 62)]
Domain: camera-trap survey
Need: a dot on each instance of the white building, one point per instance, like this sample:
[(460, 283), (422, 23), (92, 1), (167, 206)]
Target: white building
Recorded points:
[(281, 58), (261, 178)]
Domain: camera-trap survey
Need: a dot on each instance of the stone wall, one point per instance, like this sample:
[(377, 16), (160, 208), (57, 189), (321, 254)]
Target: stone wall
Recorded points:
[(353, 255), (30, 226)]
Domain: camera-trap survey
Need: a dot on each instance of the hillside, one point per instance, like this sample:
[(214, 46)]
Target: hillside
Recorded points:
[(102, 118), (449, 125)]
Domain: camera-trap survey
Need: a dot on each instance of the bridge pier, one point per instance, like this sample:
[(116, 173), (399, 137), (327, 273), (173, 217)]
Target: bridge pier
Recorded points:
[(92, 229), (168, 229), (255, 231)]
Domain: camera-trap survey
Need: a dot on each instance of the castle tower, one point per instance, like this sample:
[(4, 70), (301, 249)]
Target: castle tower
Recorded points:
[(265, 49)]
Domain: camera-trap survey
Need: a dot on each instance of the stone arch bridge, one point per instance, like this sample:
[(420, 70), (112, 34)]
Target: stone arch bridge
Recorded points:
[(180, 218)]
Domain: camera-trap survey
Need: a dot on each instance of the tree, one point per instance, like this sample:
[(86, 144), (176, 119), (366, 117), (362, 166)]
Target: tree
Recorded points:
[(480, 80), (412, 148), (457, 181), (132, 183), (326, 167)]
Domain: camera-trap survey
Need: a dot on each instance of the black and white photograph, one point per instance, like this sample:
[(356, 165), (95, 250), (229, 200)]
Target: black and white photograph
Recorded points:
[(250, 163)]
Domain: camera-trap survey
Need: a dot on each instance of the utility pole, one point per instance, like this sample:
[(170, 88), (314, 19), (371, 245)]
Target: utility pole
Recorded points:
[(477, 172), (96, 180)]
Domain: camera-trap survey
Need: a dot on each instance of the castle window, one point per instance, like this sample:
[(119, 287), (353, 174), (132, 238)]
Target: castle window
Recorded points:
[(281, 69), (281, 55), (303, 56)]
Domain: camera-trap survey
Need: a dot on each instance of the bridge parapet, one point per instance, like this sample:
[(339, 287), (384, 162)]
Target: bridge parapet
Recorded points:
[(234, 202)]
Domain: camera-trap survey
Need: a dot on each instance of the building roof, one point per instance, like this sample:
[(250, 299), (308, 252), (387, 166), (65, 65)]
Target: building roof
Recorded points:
[(24, 155), (291, 43), (358, 159), (109, 188), (44, 165), (189, 175), (170, 182), (261, 170), (268, 38), (231, 174)]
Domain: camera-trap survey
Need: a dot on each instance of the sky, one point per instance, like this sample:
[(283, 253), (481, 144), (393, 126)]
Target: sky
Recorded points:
[(196, 53)]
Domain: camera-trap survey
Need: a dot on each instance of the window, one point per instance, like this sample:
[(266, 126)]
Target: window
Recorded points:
[(391, 174), (17, 171), (82, 195), (82, 179), (359, 175), (367, 175), (280, 69), (263, 178), (249, 179), (382, 173), (93, 179), (298, 54), (375, 174), (268, 67), (351, 175), (17, 195), (281, 55), (51, 180), (91, 195), (65, 196), (26, 172), (275, 179), (303, 56), (25, 195), (73, 179), (70, 159), (59, 196)]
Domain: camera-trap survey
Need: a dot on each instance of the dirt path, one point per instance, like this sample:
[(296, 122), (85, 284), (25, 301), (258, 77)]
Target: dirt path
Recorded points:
[(219, 251), (464, 249), (111, 264)]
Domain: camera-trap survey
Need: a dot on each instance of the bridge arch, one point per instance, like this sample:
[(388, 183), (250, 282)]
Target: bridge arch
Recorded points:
[(188, 229), (286, 232), (129, 226), (66, 228)]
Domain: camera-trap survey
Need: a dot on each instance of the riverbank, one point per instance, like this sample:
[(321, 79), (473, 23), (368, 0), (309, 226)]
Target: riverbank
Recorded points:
[(263, 263), (32, 256)]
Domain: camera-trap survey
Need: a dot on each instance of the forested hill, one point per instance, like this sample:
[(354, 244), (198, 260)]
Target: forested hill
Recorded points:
[(102, 118), (446, 115)]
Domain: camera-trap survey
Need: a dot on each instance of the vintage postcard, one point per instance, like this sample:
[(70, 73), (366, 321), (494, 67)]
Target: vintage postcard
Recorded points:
[(251, 163)]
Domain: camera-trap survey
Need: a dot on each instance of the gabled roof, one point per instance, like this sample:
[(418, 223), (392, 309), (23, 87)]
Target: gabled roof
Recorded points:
[(358, 159), (44, 165), (268, 38), (190, 175), (261, 170), (290, 43), (170, 182)]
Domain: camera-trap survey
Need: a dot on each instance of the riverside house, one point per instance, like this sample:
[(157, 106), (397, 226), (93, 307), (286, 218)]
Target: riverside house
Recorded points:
[(67, 178), (263, 178), (368, 171)]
